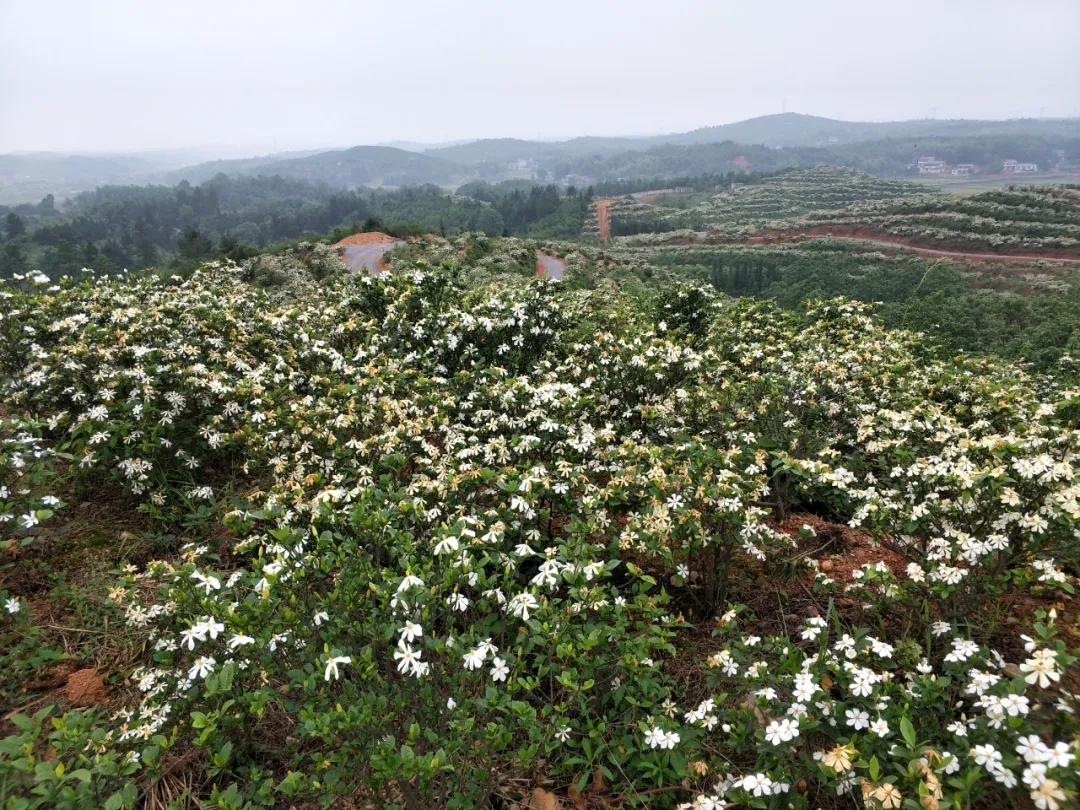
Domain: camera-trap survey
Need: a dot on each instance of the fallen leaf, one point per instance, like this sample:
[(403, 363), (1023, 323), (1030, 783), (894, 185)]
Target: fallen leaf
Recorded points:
[(542, 800)]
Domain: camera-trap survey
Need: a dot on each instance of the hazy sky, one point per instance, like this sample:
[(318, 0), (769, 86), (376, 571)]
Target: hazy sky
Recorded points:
[(140, 74)]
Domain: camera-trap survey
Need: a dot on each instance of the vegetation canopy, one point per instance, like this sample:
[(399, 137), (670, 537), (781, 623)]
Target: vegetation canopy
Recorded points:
[(455, 535)]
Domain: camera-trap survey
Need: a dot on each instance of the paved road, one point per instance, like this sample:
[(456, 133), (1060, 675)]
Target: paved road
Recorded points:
[(549, 266), (366, 257)]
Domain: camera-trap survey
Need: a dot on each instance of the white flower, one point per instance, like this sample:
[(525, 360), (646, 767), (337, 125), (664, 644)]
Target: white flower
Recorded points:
[(447, 545), (410, 632), (1041, 668), (240, 640), (332, 666), (12, 605), (458, 602), (986, 755), (202, 667), (320, 617), (521, 604), (410, 582), (879, 727), (783, 731), (757, 783), (857, 719), (499, 670), (474, 659)]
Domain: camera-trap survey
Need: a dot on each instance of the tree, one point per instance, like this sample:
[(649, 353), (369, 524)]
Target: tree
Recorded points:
[(15, 226), (47, 204), (193, 245), (12, 261)]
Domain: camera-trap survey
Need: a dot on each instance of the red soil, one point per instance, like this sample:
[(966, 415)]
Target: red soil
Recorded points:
[(372, 238), (743, 162), (603, 220)]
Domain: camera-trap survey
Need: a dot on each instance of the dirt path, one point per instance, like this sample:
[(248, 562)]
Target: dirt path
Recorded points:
[(364, 251), (367, 257), (603, 220), (549, 266), (1000, 257)]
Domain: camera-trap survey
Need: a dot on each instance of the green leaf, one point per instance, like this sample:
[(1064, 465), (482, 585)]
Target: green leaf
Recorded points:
[(908, 732)]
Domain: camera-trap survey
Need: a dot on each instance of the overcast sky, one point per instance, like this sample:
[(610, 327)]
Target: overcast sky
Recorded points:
[(140, 74)]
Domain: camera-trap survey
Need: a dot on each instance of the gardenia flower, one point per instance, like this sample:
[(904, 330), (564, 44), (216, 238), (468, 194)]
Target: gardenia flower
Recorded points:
[(458, 602), (986, 755), (446, 545), (239, 640), (410, 582), (410, 632), (332, 666), (202, 667), (962, 650), (408, 659), (879, 727), (12, 605), (758, 784), (1048, 796), (857, 719), (499, 670), (207, 583), (658, 738), (783, 731), (1041, 668), (521, 604)]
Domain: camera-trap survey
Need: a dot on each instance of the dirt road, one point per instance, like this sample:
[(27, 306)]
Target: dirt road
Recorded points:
[(603, 219), (1000, 257), (549, 266), (367, 257)]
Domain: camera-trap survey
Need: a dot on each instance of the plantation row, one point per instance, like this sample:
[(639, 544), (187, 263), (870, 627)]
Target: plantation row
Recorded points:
[(454, 531), (1036, 218), (782, 197)]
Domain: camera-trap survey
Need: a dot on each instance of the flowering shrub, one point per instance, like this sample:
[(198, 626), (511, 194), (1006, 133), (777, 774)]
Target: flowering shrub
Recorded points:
[(452, 500)]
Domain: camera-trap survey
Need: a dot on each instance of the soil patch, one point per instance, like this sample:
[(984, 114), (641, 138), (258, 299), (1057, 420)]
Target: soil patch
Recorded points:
[(370, 238), (85, 688), (603, 218)]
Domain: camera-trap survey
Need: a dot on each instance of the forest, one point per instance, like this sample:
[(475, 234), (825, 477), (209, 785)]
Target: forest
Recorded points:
[(134, 227)]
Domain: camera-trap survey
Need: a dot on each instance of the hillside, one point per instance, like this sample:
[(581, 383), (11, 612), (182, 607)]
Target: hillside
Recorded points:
[(456, 536), (786, 195), (346, 168), (795, 129)]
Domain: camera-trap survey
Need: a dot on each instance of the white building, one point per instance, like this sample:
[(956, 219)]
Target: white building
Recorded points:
[(931, 165), (1015, 167)]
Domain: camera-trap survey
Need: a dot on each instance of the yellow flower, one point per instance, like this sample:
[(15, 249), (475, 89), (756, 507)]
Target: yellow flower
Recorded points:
[(839, 759)]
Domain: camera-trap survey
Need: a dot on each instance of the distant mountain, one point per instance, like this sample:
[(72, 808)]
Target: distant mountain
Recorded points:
[(373, 166), (508, 150), (784, 130), (66, 169), (795, 129), (201, 172)]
